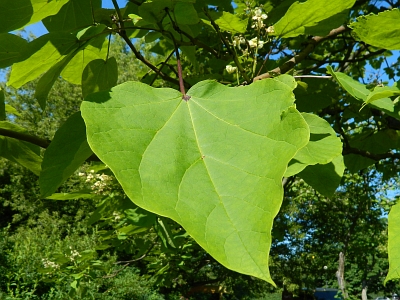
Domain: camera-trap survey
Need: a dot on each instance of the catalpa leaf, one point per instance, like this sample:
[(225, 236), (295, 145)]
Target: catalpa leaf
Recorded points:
[(302, 15), (324, 178), (99, 75), (231, 22), (15, 14), (214, 163), (381, 30), (66, 153), (11, 49), (43, 53), (322, 148), (96, 50), (393, 243), (73, 15)]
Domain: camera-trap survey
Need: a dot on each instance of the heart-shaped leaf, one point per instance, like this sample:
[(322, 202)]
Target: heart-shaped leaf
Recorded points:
[(214, 163)]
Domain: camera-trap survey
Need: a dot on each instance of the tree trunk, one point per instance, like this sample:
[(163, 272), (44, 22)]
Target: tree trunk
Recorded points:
[(340, 276)]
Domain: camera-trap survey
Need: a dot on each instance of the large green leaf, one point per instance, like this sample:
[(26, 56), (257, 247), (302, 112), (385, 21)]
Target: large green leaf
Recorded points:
[(322, 148), (11, 49), (74, 15), (15, 14), (381, 30), (99, 75), (325, 178), (308, 14), (393, 243), (73, 71), (214, 163), (43, 53), (66, 153)]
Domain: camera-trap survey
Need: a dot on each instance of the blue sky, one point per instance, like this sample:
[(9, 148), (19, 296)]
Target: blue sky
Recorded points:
[(38, 29)]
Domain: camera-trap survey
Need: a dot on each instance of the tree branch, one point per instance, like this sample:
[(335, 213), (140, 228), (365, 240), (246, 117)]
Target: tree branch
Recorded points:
[(43, 143), (288, 65)]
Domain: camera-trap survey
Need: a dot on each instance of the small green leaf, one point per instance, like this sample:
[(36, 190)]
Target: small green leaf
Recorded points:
[(135, 18), (393, 243), (68, 150), (380, 92), (322, 148), (12, 110), (324, 178), (99, 75), (185, 13), (73, 15), (71, 196), (43, 53), (355, 162), (154, 11), (381, 30), (169, 155), (90, 31), (353, 87), (2, 105), (73, 71), (231, 22), (152, 36), (20, 153), (307, 14), (11, 49)]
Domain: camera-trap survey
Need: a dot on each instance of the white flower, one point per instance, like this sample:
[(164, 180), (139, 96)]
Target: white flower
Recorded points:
[(325, 268), (254, 42), (270, 29), (49, 264), (230, 69)]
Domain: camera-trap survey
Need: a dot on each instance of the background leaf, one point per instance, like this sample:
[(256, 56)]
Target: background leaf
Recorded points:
[(307, 14), (99, 75), (68, 150), (381, 30), (393, 243)]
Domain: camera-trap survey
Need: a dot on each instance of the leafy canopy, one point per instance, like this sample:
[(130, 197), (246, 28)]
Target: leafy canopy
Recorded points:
[(216, 158)]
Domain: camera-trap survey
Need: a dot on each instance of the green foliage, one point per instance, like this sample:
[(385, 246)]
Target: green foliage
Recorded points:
[(209, 163)]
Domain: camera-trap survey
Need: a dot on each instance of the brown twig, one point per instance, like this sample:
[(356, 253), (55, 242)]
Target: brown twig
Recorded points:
[(288, 65), (121, 31), (43, 143)]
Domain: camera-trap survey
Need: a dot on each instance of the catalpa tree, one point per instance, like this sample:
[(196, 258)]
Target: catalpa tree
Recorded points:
[(248, 94)]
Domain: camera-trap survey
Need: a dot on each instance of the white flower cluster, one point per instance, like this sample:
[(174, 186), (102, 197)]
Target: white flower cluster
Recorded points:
[(49, 264), (230, 69), (99, 182), (74, 253), (116, 216), (258, 17)]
